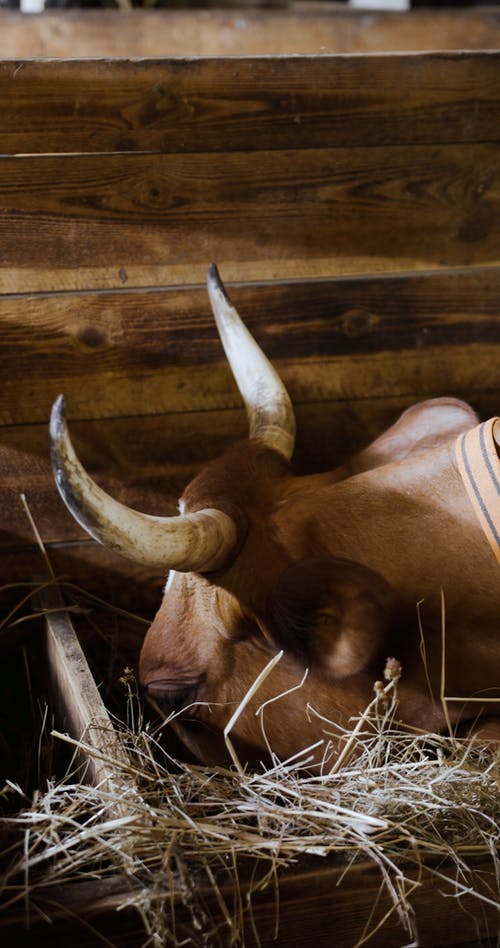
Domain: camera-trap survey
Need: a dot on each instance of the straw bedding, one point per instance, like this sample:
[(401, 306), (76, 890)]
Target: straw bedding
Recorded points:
[(193, 846)]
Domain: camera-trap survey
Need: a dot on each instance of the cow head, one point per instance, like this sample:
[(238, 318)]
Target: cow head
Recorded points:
[(251, 571)]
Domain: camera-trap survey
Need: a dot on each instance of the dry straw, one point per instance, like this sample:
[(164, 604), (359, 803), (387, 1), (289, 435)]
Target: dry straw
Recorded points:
[(190, 847)]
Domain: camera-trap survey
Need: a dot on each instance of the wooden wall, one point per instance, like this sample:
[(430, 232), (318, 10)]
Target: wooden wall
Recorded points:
[(352, 204), (280, 28)]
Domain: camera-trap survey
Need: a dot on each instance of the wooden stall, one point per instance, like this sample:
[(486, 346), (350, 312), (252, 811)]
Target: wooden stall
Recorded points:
[(352, 203), (244, 27)]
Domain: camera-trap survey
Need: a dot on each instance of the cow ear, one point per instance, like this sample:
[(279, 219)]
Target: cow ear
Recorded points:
[(333, 614)]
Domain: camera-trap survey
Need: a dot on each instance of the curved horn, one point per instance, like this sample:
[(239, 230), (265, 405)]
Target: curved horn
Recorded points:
[(270, 412), (200, 541)]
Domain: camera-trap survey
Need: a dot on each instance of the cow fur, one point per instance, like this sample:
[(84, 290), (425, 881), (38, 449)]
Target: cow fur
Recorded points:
[(339, 570)]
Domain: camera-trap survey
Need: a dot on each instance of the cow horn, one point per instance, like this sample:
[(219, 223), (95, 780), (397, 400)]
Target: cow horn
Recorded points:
[(270, 412), (200, 541)]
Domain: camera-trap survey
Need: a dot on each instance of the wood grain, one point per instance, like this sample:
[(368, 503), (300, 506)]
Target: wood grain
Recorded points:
[(121, 354), (70, 222), (147, 462), (314, 901), (151, 399), (250, 104), (300, 28), (80, 706)]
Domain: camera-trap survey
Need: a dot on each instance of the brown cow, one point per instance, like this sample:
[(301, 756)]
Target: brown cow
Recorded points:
[(338, 570)]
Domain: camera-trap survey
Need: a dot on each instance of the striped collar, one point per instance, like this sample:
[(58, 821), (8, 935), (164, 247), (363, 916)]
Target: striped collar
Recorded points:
[(479, 466)]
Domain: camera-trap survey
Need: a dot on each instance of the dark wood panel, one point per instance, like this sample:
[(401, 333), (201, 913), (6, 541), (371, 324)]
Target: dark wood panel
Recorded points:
[(90, 568), (321, 28), (249, 103), (83, 221), (147, 462), (148, 352), (322, 901)]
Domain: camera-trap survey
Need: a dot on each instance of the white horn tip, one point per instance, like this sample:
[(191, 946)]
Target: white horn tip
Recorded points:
[(58, 418)]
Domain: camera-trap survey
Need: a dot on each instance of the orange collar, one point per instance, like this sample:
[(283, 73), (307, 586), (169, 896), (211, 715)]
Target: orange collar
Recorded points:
[(479, 466)]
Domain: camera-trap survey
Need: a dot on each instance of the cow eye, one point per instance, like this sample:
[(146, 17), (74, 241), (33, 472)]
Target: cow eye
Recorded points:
[(171, 696)]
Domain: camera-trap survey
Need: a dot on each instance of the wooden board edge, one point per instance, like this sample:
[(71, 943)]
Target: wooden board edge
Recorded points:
[(80, 706)]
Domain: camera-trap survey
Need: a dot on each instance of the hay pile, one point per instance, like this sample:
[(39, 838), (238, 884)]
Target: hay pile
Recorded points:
[(194, 846)]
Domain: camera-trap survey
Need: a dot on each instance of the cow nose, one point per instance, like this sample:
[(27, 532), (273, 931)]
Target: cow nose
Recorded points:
[(171, 696)]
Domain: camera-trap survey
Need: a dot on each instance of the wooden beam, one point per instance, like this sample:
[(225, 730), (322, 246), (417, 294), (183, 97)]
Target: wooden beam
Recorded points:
[(147, 462), (298, 29), (155, 351), (249, 103), (75, 222), (81, 710), (314, 901)]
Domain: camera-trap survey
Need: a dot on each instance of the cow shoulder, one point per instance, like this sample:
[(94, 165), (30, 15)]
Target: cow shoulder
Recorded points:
[(422, 427)]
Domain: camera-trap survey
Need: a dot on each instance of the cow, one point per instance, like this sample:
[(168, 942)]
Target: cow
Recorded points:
[(395, 552)]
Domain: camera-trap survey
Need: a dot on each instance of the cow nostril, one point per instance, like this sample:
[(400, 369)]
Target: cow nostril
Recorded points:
[(169, 695)]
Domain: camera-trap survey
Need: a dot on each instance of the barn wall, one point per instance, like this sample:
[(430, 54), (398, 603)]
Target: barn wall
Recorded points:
[(352, 204), (241, 28)]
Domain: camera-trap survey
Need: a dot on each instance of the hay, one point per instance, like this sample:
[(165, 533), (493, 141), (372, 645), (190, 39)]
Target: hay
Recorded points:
[(195, 846)]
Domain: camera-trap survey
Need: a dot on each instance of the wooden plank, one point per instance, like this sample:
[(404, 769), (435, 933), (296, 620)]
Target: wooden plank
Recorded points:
[(70, 222), (252, 103), (147, 462), (144, 462), (123, 354), (242, 32), (205, 418), (84, 568), (81, 709), (316, 902)]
